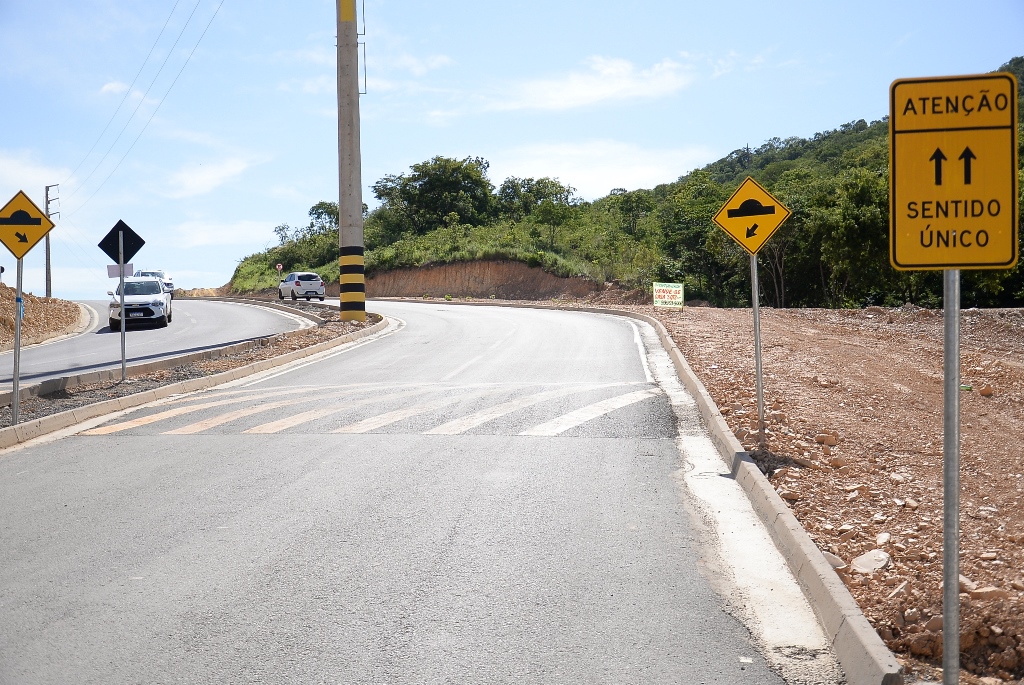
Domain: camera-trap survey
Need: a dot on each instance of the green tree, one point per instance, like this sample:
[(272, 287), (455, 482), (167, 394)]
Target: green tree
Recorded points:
[(419, 201), (517, 198)]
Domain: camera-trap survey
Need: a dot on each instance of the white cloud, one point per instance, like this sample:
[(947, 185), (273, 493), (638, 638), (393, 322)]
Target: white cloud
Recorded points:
[(595, 167), (114, 87), (316, 85), (198, 233), (321, 56), (21, 171), (606, 80), (203, 178), (419, 66)]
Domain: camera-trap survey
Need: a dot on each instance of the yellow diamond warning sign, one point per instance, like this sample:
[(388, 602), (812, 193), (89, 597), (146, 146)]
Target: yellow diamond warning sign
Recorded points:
[(22, 225), (751, 215), (953, 173)]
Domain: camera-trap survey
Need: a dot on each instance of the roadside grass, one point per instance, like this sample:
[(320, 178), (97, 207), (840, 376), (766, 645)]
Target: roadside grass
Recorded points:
[(582, 248)]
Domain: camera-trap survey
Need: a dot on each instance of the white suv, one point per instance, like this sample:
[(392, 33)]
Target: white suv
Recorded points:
[(302, 284), (162, 276), (144, 300)]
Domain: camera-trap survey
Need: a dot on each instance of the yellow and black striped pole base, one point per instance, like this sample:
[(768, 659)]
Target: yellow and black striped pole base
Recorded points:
[(352, 279)]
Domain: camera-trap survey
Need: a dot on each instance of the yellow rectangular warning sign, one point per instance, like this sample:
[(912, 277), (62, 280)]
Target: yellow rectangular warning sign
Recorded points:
[(953, 173)]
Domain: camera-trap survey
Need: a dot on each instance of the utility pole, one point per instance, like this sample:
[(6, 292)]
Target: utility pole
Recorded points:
[(352, 279), (49, 280)]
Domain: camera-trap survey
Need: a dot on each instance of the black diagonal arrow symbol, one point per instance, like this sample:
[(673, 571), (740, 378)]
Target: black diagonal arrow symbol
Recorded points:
[(752, 231), (967, 156), (938, 158), (22, 238)]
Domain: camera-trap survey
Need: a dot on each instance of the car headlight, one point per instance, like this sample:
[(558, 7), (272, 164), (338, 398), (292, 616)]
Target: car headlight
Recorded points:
[(157, 303)]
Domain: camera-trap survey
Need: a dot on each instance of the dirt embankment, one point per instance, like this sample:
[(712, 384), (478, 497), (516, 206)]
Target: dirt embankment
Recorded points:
[(504, 280), (45, 317), (499, 279)]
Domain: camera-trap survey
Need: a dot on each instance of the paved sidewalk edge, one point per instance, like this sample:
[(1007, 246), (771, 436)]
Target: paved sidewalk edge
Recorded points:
[(860, 651), (13, 435)]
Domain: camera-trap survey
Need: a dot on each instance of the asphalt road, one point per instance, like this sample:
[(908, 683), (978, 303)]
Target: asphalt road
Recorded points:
[(486, 495), (196, 326)]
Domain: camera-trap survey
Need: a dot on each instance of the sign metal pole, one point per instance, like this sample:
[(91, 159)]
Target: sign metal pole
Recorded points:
[(124, 320), (755, 298), (19, 307), (951, 480)]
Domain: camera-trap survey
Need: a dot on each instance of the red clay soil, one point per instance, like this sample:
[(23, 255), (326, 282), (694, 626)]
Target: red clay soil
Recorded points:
[(483, 279)]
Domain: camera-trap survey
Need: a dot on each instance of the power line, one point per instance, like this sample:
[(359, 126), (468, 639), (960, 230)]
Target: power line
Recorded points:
[(156, 109), (126, 93), (141, 100)]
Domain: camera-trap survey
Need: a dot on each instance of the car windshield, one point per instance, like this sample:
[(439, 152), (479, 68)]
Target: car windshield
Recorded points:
[(152, 274), (307, 277), (142, 288)]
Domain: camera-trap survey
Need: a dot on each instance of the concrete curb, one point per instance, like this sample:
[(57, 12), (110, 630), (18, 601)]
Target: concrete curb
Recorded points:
[(864, 657), (13, 435), (269, 304)]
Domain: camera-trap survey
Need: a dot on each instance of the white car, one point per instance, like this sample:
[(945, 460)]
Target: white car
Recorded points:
[(162, 276), (302, 284), (144, 300)]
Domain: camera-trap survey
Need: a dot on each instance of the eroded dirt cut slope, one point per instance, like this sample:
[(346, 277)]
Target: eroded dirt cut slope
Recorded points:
[(500, 279)]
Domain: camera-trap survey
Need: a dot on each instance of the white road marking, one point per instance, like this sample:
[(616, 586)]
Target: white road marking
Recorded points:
[(643, 352), (375, 422), (220, 420), (394, 325), (462, 368), (171, 413), (589, 413), (478, 418), (315, 414)]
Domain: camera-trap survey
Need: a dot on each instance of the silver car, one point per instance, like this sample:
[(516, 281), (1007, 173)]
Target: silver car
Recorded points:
[(162, 276), (144, 301)]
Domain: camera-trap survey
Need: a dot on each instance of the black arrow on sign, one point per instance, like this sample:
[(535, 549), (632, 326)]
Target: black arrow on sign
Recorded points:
[(22, 238), (967, 156), (938, 158), (752, 231)]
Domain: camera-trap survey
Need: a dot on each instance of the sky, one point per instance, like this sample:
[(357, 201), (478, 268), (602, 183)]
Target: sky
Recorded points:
[(203, 124)]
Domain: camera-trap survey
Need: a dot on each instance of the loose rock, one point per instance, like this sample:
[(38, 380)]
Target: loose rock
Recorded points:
[(987, 594), (871, 562)]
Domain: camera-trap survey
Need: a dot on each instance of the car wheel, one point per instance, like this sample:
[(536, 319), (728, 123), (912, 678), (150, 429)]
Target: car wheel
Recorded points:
[(280, 295), (162, 322), (169, 314), (115, 324), (294, 296)]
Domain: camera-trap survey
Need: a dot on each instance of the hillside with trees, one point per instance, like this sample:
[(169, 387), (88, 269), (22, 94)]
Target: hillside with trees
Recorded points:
[(832, 252)]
